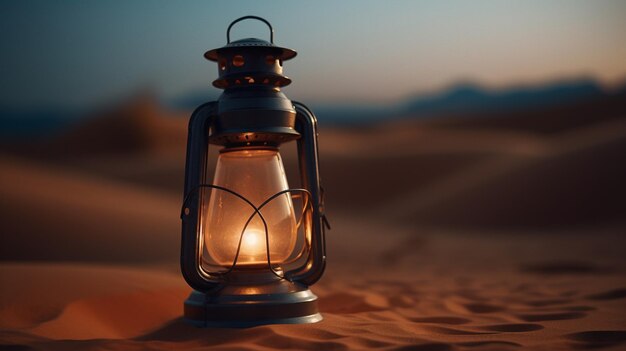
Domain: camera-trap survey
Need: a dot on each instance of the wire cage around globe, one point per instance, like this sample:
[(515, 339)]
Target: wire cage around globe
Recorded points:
[(251, 242)]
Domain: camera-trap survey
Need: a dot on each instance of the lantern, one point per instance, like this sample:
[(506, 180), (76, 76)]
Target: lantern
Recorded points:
[(251, 246)]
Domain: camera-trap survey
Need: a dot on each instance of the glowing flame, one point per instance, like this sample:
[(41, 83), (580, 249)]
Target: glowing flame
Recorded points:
[(253, 245)]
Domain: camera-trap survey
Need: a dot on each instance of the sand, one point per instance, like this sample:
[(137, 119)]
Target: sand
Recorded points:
[(430, 300), (463, 240)]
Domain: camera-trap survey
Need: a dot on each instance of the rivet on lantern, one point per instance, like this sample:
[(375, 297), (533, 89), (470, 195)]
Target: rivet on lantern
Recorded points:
[(248, 251)]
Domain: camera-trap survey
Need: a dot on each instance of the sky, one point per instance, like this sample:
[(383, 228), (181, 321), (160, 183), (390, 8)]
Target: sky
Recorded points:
[(80, 53)]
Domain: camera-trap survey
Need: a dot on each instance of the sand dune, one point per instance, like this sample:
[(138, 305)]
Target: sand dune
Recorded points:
[(137, 124), (425, 307), (444, 238), (58, 304), (575, 182), (388, 286), (55, 214)]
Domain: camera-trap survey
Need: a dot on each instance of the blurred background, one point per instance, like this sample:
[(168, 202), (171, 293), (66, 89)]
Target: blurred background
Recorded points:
[(498, 118)]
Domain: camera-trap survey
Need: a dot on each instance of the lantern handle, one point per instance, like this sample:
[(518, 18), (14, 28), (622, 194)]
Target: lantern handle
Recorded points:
[(250, 17), (197, 148), (306, 125)]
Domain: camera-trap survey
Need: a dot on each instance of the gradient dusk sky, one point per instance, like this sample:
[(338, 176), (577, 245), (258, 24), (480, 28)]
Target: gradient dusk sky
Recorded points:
[(74, 54)]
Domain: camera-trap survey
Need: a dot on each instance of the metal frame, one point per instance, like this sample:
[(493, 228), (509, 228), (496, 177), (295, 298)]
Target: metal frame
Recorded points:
[(252, 112), (197, 158)]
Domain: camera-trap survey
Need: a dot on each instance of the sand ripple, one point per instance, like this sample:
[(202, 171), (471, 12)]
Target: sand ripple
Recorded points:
[(442, 315)]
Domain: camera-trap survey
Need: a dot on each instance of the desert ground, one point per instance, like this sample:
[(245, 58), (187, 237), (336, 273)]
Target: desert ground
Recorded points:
[(445, 236)]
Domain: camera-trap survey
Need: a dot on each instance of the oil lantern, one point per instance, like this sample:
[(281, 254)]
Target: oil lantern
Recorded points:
[(251, 245)]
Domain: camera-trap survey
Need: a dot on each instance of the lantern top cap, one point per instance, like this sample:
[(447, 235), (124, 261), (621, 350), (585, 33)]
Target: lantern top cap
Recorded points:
[(250, 43)]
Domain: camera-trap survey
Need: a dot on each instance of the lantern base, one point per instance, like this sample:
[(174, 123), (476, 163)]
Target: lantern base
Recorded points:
[(235, 305)]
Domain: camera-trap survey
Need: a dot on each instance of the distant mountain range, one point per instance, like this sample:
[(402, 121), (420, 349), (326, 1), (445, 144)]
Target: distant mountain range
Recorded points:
[(460, 100), (465, 99)]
